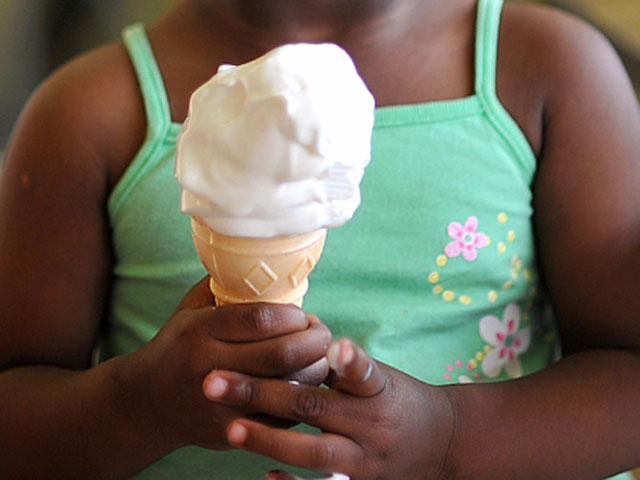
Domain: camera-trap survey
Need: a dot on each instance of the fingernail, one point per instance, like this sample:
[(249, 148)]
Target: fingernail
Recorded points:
[(340, 354), (217, 387), (332, 357), (237, 434), (346, 353)]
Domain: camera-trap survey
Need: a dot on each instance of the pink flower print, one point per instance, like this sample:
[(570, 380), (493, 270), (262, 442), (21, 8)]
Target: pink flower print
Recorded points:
[(466, 239), (457, 367), (507, 340)]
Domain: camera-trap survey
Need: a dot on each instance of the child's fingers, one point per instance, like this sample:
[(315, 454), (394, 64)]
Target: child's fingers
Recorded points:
[(314, 374), (324, 452), (355, 372)]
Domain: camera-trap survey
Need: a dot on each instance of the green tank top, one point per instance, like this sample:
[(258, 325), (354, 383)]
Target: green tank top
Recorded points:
[(435, 274)]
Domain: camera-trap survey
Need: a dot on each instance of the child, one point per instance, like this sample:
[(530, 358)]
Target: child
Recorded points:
[(503, 188)]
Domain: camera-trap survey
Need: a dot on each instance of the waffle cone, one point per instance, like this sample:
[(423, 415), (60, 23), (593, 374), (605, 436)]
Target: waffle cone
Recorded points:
[(247, 270)]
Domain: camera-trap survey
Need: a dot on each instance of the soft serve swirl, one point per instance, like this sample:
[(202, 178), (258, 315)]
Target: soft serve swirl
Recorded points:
[(277, 146)]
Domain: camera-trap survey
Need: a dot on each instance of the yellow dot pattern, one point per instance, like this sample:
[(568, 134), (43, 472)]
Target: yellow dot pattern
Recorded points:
[(516, 263), (516, 271), (448, 296)]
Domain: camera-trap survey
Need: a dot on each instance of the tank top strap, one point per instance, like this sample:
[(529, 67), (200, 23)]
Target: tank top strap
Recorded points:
[(486, 67), (487, 33), (152, 86)]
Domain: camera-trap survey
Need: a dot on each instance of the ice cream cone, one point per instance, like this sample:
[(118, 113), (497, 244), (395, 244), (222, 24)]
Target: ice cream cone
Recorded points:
[(246, 270)]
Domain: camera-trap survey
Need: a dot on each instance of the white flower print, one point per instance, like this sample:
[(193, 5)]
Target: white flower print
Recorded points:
[(507, 340)]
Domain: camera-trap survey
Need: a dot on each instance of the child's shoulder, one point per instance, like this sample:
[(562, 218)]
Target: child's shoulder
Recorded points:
[(549, 59), (544, 31), (91, 102), (558, 45)]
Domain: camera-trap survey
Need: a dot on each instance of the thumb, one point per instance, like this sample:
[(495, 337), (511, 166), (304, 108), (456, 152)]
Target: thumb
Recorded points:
[(198, 297), (354, 371)]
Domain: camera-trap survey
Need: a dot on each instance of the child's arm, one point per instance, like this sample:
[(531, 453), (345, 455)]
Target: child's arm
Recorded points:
[(59, 418), (579, 418)]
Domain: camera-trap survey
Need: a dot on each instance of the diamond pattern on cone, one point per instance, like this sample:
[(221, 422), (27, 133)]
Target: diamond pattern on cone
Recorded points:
[(302, 270), (260, 278), (246, 269)]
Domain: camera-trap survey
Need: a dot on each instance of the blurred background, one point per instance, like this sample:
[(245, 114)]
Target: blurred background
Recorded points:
[(38, 35)]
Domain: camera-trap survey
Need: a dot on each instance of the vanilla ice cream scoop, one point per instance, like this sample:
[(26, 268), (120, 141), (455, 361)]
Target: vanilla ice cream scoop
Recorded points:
[(277, 146)]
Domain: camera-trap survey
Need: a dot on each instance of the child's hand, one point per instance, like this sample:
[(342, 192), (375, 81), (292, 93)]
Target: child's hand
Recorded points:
[(377, 422), (163, 382)]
